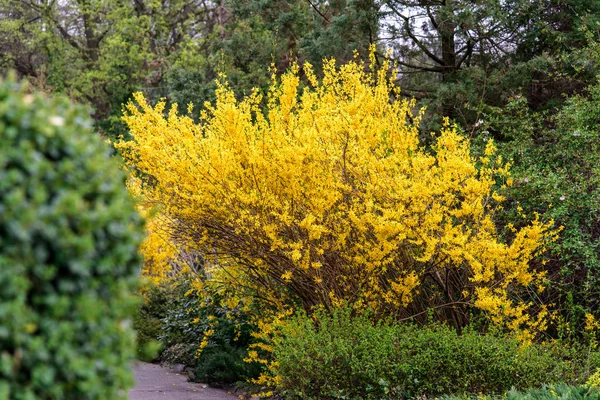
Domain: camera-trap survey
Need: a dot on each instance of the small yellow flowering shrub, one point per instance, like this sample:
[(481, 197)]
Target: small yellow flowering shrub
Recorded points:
[(594, 380), (327, 198)]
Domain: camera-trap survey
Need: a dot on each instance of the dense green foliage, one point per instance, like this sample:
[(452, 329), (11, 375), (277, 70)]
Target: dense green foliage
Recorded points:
[(341, 356), (556, 170), (68, 261), (100, 52), (179, 317), (453, 55), (148, 322)]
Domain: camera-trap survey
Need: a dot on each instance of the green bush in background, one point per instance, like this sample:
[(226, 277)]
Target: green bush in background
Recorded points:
[(68, 254), (346, 357), (148, 321), (555, 159), (191, 314), (179, 316)]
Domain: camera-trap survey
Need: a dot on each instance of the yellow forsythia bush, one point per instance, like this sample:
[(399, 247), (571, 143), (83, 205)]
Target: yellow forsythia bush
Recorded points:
[(327, 197)]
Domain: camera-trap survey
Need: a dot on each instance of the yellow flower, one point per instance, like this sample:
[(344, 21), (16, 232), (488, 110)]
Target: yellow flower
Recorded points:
[(329, 191), (590, 323)]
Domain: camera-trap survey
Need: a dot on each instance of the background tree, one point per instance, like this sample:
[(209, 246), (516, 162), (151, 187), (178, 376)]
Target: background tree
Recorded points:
[(174, 49), (78, 47), (456, 55), (100, 51)]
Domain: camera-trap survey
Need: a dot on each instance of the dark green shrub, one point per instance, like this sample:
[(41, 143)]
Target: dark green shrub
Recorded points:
[(148, 321), (352, 358), (223, 364), (68, 255), (190, 314), (555, 161)]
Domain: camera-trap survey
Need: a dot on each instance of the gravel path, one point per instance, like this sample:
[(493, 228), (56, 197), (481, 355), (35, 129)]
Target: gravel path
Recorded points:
[(153, 382)]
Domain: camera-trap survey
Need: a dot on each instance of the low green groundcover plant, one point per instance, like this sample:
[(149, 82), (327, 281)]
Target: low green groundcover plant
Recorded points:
[(563, 392), (552, 392), (349, 357), (68, 254)]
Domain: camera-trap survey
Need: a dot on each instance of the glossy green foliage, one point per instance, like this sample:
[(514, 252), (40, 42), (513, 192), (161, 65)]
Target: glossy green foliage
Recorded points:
[(68, 254)]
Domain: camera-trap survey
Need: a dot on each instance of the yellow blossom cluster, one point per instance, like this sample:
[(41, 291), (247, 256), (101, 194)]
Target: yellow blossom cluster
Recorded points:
[(327, 198), (158, 250)]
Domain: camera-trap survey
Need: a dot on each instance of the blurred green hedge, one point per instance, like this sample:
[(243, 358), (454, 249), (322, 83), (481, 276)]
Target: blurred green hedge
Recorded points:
[(68, 254)]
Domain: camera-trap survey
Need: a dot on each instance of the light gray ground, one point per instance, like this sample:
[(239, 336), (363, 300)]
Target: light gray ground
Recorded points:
[(154, 382)]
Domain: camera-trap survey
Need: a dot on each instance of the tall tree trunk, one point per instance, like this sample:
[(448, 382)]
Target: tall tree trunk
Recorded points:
[(92, 41), (447, 29)]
